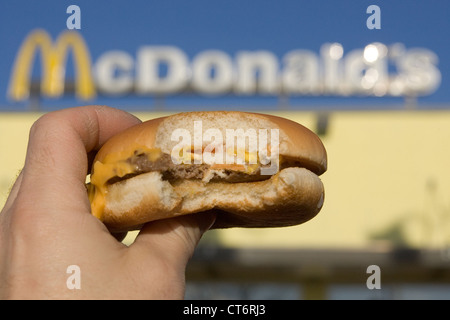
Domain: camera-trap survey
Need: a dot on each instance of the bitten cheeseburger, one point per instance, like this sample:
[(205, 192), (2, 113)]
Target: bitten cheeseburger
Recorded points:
[(254, 170)]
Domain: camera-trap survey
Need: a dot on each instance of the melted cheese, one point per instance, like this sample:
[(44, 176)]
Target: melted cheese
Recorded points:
[(113, 165), (116, 165)]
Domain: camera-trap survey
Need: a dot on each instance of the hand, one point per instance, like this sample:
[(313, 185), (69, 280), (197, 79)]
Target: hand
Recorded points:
[(46, 225)]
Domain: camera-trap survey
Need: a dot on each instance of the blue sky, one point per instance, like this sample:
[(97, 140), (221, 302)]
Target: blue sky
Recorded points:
[(231, 26)]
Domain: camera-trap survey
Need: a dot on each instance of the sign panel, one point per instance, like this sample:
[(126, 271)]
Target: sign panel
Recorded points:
[(225, 53), (213, 72)]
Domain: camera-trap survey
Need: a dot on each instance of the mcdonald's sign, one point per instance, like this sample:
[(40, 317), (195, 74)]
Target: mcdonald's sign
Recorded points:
[(362, 72), (54, 56)]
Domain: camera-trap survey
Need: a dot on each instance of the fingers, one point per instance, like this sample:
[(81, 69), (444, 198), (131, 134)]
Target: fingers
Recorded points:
[(57, 155), (173, 239), (59, 140)]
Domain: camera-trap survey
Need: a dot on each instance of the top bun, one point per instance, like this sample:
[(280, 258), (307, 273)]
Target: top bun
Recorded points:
[(295, 141)]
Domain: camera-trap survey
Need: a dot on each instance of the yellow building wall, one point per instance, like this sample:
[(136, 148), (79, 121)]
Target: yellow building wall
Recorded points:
[(388, 180)]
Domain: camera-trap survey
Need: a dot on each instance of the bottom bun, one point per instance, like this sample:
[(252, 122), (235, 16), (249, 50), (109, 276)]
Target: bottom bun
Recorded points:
[(290, 197)]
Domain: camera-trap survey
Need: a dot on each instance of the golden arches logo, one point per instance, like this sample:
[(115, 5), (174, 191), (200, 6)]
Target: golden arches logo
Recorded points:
[(54, 58)]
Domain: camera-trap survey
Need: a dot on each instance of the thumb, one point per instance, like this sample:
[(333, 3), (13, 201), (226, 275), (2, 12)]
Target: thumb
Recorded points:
[(173, 239)]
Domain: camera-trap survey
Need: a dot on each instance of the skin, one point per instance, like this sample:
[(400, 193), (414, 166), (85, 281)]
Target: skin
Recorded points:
[(46, 225)]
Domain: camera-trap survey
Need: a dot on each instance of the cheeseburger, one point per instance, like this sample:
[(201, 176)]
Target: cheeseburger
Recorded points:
[(253, 170)]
